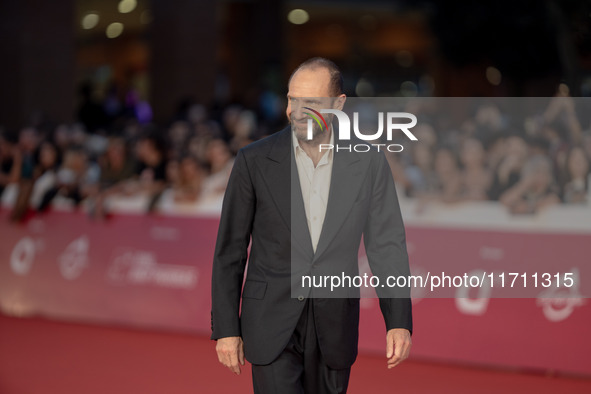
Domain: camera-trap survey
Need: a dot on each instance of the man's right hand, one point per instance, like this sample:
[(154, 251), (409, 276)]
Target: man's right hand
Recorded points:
[(231, 353)]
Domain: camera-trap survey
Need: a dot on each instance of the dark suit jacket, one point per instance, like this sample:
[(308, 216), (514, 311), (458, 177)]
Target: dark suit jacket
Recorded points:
[(263, 204)]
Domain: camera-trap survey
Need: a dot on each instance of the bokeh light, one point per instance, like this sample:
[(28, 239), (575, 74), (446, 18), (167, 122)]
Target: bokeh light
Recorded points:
[(298, 16), (114, 30), (126, 6), (90, 20)]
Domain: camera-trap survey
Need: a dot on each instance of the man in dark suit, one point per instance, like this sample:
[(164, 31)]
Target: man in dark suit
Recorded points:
[(304, 210)]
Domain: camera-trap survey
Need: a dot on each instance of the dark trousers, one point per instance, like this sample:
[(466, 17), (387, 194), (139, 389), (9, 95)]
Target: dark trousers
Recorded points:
[(300, 368)]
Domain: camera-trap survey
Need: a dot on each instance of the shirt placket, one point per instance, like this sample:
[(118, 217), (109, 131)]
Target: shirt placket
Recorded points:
[(316, 204)]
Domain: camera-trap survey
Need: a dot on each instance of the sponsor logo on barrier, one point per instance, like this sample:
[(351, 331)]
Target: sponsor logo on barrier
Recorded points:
[(74, 258), (491, 253), (140, 267), (558, 303), (23, 255), (470, 305)]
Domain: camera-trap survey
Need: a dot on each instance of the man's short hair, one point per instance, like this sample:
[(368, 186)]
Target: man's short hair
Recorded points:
[(336, 78)]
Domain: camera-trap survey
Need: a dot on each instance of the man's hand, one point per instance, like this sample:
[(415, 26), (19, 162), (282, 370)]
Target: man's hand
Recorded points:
[(231, 353), (397, 346)]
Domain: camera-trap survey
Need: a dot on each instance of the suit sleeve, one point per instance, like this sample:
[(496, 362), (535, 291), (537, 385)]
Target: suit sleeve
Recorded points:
[(385, 246), (231, 251)]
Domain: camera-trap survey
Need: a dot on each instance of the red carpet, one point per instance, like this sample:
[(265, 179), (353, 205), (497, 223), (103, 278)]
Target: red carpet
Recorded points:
[(38, 356)]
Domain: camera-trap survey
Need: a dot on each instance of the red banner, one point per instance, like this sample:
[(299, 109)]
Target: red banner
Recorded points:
[(154, 272)]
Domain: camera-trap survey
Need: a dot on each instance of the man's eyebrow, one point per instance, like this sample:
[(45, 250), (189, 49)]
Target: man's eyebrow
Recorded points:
[(306, 100)]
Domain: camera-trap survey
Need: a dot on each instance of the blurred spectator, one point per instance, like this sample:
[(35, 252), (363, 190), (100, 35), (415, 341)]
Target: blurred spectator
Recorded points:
[(187, 187), (197, 146), (576, 184), (426, 134), (149, 175), (116, 164), (230, 117), (116, 168), (75, 179), (421, 175), (489, 117), (535, 190), (403, 183), (48, 162), (561, 114), (243, 130), (10, 162), (476, 179), (210, 129), (151, 157), (507, 173), (150, 170), (494, 146), (196, 114), (27, 145), (178, 135), (448, 173), (62, 137), (220, 163)]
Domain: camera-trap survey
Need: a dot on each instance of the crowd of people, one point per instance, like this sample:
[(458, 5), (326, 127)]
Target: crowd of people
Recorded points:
[(83, 166), (526, 164)]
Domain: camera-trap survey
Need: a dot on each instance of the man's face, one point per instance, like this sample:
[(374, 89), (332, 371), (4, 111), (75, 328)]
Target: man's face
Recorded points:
[(308, 88)]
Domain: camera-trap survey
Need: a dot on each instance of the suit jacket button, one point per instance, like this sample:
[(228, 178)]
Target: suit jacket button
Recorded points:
[(301, 298)]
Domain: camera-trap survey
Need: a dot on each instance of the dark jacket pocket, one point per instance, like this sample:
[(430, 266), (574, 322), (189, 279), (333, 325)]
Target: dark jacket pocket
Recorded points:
[(254, 289)]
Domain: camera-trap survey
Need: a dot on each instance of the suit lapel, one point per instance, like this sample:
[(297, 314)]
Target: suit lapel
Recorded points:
[(300, 232), (345, 181), (283, 182)]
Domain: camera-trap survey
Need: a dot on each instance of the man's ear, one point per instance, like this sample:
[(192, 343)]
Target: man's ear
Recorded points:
[(340, 102)]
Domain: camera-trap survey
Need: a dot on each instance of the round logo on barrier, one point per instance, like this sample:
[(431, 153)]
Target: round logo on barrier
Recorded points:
[(558, 303), (75, 258), (474, 306), (22, 256)]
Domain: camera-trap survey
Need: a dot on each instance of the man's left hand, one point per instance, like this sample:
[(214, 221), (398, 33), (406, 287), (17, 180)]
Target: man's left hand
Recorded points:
[(397, 346)]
